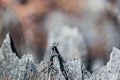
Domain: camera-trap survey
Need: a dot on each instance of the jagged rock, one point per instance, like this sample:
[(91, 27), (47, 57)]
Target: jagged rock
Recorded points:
[(71, 41), (13, 68), (111, 71), (53, 67), (63, 69)]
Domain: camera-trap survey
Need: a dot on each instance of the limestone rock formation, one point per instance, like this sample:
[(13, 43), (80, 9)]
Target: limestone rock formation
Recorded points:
[(53, 67)]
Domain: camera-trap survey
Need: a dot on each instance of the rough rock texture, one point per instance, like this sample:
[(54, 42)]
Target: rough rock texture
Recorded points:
[(71, 45), (111, 71), (53, 67)]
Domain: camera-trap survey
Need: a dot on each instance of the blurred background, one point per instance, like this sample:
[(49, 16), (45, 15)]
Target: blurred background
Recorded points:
[(86, 29)]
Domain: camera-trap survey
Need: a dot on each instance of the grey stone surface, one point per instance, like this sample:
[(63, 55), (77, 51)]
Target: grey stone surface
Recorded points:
[(111, 71), (53, 67)]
